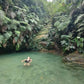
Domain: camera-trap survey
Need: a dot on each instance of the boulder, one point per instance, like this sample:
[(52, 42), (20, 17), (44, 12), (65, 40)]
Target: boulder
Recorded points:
[(77, 59)]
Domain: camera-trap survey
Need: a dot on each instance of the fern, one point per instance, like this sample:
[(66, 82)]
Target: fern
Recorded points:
[(79, 18), (22, 28), (7, 35), (3, 18), (80, 30), (17, 33), (15, 22), (29, 28), (23, 23)]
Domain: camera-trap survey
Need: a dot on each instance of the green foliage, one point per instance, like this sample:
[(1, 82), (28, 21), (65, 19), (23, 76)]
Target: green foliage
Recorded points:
[(79, 19), (20, 22), (67, 43), (80, 43), (3, 18), (23, 23), (8, 34), (17, 33), (1, 39), (29, 28), (17, 46), (61, 22), (79, 23), (19, 30), (66, 31)]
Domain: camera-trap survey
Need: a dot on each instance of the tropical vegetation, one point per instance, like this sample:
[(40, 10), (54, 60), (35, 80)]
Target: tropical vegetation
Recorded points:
[(21, 21)]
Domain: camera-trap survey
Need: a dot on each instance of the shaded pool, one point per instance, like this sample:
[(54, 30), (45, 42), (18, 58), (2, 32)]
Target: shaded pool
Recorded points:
[(46, 68)]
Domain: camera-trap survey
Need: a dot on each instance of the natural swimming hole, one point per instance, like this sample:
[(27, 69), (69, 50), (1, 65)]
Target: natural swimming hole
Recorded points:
[(46, 68)]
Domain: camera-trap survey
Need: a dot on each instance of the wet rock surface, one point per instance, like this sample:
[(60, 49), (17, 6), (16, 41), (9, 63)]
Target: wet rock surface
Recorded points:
[(76, 59)]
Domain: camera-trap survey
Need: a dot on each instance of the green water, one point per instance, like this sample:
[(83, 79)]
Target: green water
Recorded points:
[(46, 68)]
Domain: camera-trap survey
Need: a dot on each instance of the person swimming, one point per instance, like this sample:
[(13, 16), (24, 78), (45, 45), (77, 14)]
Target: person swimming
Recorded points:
[(27, 61)]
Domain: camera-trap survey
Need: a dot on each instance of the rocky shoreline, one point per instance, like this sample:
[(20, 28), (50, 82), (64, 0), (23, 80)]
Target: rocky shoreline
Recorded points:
[(74, 59)]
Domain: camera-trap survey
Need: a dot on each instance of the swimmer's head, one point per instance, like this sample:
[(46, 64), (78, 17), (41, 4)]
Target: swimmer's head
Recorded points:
[(28, 57)]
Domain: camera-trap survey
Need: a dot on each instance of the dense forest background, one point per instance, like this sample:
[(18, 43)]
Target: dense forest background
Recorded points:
[(22, 20)]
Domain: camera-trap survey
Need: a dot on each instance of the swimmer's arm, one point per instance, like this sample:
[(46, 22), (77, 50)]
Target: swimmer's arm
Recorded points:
[(30, 60), (23, 60)]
